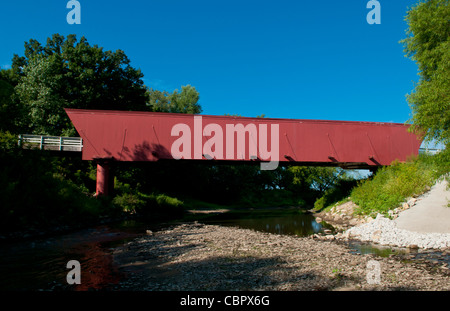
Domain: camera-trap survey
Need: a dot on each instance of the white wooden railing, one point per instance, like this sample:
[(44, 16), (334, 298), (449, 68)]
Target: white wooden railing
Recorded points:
[(58, 143), (430, 150)]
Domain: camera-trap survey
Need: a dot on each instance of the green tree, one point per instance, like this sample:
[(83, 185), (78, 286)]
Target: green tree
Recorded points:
[(66, 73), (428, 44), (7, 108), (317, 178), (185, 101)]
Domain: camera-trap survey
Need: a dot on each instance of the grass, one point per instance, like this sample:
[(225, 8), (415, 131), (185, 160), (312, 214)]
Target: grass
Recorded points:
[(329, 207), (194, 204), (393, 184), (142, 203), (339, 194)]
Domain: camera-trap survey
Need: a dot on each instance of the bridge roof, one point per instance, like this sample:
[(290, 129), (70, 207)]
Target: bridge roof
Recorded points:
[(154, 136)]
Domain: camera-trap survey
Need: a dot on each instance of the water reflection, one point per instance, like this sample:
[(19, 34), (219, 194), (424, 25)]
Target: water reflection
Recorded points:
[(41, 264), (278, 222)]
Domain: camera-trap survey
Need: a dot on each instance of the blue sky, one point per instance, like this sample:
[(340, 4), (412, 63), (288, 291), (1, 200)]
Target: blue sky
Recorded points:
[(285, 59)]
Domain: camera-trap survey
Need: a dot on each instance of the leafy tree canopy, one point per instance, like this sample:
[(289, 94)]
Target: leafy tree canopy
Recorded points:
[(184, 101), (428, 44), (67, 73), (6, 109)]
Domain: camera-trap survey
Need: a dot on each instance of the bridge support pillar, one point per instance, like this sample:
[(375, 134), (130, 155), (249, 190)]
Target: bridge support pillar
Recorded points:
[(105, 178)]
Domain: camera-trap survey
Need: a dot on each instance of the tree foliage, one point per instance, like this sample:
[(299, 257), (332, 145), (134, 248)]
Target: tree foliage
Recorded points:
[(67, 73), (6, 108), (184, 101), (428, 44)]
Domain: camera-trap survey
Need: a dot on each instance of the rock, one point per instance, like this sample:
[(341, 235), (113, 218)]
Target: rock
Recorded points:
[(411, 202), (379, 216), (327, 231), (344, 235), (413, 246), (319, 220), (376, 235), (369, 219), (405, 205), (352, 234), (353, 222)]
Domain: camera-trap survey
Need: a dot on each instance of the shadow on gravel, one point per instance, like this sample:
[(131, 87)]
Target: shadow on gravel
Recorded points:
[(163, 268), (220, 273), (168, 262)]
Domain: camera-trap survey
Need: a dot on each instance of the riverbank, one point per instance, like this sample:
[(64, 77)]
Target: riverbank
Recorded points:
[(210, 257), (421, 222)]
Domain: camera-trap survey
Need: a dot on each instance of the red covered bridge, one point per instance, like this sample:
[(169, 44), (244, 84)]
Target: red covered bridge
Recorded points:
[(151, 136)]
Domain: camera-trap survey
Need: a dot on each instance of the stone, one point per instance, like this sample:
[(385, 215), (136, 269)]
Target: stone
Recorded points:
[(318, 219), (405, 205), (352, 234), (369, 219), (379, 216), (411, 202), (376, 235), (353, 222)]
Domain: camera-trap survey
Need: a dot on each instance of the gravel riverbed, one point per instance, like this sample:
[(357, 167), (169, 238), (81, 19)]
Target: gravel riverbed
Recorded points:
[(210, 257)]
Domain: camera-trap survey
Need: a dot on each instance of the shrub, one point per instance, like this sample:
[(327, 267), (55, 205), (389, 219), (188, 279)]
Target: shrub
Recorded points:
[(147, 204), (129, 202), (338, 193), (391, 185), (320, 203)]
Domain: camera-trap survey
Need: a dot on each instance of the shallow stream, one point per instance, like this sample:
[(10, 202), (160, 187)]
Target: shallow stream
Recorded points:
[(40, 264)]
